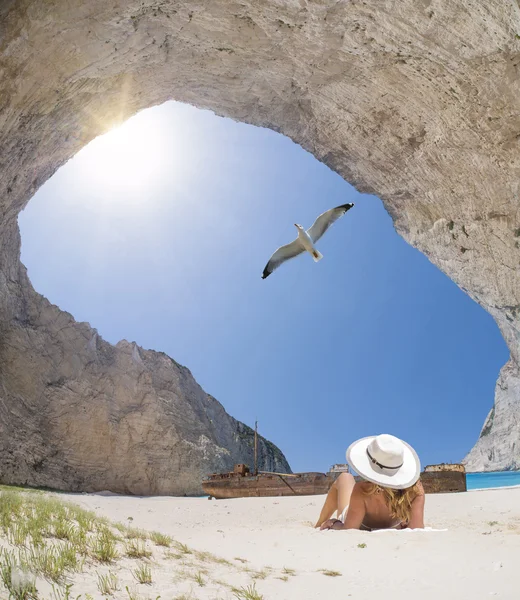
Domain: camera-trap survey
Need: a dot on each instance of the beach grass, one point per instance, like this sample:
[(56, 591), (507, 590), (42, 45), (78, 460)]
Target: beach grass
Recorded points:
[(160, 539), (132, 593), (210, 557), (132, 533), (108, 584), (19, 582), (136, 548), (43, 537), (247, 593), (199, 579), (330, 573), (174, 555), (183, 548), (262, 574), (48, 538), (104, 547), (143, 574)]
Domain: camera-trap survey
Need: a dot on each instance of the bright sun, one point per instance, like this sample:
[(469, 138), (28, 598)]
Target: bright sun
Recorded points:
[(129, 158)]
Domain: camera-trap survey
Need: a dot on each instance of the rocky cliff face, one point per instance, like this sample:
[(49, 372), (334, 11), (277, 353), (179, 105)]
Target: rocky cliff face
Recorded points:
[(79, 414), (498, 446), (417, 102)]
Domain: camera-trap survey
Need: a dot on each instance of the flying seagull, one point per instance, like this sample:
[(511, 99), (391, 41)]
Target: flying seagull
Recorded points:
[(306, 239)]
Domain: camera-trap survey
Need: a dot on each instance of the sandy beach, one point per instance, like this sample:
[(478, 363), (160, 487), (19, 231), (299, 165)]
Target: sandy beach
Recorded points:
[(270, 542)]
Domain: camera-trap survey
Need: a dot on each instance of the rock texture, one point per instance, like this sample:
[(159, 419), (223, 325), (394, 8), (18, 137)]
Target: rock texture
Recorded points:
[(79, 414), (498, 447), (417, 101)]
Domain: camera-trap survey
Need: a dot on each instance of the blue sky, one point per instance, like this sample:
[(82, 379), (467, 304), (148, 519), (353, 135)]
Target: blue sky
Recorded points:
[(158, 233)]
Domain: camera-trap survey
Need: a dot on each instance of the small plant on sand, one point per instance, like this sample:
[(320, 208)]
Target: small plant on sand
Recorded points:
[(10, 506), (330, 573), (242, 560), (59, 593), (283, 578), (203, 556), (19, 582), (143, 574), (160, 539), (262, 574), (183, 548), (68, 555), (52, 562), (247, 593), (86, 520), (108, 584), (132, 593), (63, 528), (174, 555), (210, 557), (363, 545), (288, 571), (79, 541), (121, 527), (104, 546), (136, 534), (17, 534), (492, 523), (137, 549), (199, 579)]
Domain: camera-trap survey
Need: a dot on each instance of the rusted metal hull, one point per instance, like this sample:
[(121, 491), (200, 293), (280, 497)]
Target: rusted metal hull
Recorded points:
[(439, 482), (233, 485), (236, 485)]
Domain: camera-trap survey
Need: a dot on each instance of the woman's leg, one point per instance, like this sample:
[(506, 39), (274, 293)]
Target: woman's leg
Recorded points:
[(337, 498), (345, 483)]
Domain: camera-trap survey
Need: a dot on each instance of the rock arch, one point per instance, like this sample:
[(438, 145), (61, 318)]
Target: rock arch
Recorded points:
[(417, 102)]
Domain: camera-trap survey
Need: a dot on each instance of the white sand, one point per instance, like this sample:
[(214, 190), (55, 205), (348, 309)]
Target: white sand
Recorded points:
[(478, 557)]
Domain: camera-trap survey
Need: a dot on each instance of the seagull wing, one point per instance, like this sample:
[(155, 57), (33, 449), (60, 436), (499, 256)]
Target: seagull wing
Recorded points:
[(325, 220), (281, 255)]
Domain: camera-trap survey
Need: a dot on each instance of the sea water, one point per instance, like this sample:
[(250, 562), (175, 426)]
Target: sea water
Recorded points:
[(481, 481)]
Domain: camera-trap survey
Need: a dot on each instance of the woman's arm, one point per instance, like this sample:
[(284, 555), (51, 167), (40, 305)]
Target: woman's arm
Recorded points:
[(356, 509), (417, 514)]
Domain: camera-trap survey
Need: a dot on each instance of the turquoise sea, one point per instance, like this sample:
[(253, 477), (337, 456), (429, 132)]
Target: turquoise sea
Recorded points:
[(480, 481)]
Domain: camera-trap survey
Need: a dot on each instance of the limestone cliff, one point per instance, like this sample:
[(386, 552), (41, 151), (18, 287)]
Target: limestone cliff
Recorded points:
[(80, 414), (498, 447), (415, 101)]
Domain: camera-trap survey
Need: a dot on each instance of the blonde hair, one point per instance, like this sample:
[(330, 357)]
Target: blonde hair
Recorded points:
[(399, 502)]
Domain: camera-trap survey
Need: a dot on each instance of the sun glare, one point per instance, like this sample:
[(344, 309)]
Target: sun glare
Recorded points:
[(129, 158)]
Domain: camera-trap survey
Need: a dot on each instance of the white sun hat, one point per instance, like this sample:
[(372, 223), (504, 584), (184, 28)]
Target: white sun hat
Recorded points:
[(385, 460)]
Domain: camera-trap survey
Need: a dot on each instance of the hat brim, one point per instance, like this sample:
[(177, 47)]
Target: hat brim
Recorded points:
[(405, 477)]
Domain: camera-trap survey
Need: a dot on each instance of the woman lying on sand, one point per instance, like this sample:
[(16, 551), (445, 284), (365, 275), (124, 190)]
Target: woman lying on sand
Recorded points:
[(391, 497)]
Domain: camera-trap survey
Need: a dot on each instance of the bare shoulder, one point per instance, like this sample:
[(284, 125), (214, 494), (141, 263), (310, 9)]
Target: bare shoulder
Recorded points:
[(419, 488), (359, 493), (362, 487)]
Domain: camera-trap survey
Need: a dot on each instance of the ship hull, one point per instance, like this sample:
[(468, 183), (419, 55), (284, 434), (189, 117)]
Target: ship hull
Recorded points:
[(443, 482), (231, 485)]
